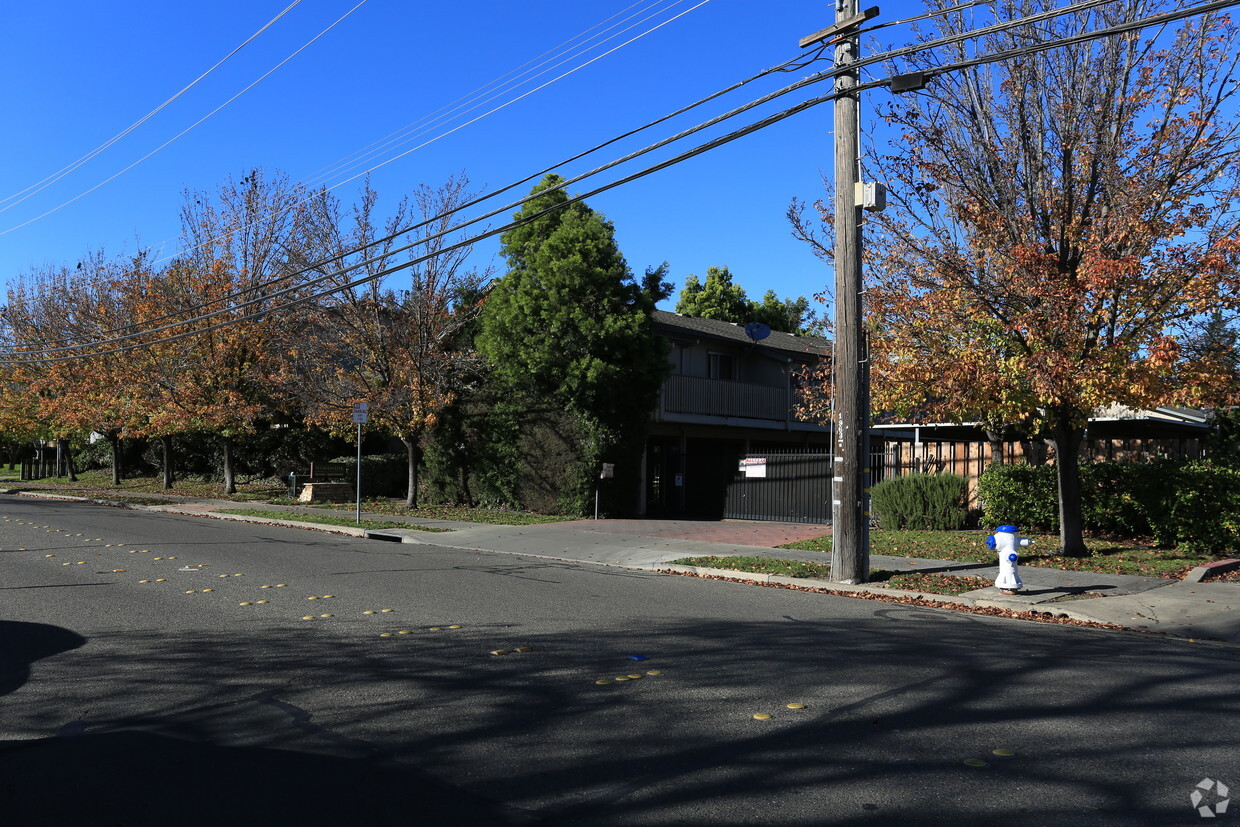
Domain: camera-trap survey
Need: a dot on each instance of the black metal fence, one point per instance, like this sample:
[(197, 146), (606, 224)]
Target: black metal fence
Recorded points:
[(793, 488)]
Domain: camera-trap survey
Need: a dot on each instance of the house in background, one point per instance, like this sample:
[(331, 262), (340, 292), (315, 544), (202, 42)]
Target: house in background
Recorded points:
[(1116, 433), (731, 399)]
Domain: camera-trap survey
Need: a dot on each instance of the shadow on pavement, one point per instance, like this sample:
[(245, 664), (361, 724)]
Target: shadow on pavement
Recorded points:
[(141, 779), (21, 644)]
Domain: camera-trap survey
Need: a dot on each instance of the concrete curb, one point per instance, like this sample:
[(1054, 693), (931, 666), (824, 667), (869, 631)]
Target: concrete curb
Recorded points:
[(1202, 573)]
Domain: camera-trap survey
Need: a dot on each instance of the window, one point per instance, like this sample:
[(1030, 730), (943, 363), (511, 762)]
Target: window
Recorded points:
[(723, 366)]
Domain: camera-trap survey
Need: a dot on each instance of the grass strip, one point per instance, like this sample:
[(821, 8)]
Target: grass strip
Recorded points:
[(457, 513), (325, 519), (909, 581), (1105, 556)]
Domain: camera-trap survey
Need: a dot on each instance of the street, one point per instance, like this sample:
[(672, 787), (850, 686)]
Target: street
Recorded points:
[(279, 675)]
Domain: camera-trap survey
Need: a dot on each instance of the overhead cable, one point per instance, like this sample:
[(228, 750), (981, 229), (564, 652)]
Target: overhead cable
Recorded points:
[(56, 176)]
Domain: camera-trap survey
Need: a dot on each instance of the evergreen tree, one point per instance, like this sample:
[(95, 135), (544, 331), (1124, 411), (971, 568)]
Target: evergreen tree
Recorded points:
[(570, 328)]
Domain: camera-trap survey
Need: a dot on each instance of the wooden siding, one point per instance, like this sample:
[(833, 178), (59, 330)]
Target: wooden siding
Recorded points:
[(717, 397)]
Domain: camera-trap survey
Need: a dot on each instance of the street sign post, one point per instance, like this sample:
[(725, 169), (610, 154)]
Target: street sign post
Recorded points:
[(361, 415)]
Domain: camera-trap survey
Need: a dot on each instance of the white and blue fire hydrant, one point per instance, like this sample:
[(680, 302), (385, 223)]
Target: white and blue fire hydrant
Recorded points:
[(1005, 540)]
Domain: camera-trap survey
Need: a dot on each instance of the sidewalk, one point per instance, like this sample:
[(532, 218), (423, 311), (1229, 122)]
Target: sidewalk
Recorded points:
[(1184, 608)]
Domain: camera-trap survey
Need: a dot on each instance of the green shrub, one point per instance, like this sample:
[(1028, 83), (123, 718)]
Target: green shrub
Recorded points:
[(1021, 495), (1205, 511), (383, 475), (927, 502), (1193, 505)]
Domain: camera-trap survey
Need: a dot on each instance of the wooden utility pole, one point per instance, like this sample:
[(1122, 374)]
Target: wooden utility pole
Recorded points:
[(850, 554)]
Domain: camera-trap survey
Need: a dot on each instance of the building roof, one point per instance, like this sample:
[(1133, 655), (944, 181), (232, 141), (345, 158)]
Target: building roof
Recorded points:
[(675, 323)]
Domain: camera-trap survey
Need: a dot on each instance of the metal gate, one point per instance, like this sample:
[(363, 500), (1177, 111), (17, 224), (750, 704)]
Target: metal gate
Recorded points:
[(794, 488)]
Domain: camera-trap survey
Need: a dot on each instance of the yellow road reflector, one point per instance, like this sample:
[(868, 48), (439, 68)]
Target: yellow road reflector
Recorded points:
[(524, 649), (263, 601), (281, 585), (144, 581), (66, 564), (385, 634), (118, 571), (81, 562), (655, 672), (159, 558), (264, 587), (312, 598), (405, 632), (796, 706), (1003, 753), (385, 611), (328, 615), (133, 551), (762, 716), (603, 682), (238, 575), (499, 651), (49, 555), (635, 676), (223, 575), (454, 626), (622, 677), (975, 762), (191, 591), (308, 617), (172, 558), (161, 579), (245, 603), (208, 590), (370, 612), (436, 628), (328, 596)]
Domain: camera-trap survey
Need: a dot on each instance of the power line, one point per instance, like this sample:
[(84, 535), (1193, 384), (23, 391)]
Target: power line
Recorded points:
[(799, 61), (491, 90), (39, 186), (28, 357), (189, 128), (251, 316), (502, 106)]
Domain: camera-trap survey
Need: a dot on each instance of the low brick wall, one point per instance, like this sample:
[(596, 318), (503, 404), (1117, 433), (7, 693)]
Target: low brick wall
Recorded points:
[(326, 492)]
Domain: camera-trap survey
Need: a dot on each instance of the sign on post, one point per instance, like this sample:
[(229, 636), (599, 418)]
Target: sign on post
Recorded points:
[(361, 415)]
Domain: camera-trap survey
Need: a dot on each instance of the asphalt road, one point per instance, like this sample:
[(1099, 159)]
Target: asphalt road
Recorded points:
[(163, 703)]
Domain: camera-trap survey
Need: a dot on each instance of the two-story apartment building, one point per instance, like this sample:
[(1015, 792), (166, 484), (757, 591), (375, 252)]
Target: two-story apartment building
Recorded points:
[(728, 396)]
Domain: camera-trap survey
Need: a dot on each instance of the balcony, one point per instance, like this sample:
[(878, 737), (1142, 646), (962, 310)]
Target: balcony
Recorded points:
[(698, 396)]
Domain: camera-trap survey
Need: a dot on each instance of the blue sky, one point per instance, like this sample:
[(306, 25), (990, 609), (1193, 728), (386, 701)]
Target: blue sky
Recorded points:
[(75, 74)]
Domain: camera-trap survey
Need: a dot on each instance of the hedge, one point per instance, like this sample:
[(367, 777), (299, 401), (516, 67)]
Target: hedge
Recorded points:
[(1188, 504)]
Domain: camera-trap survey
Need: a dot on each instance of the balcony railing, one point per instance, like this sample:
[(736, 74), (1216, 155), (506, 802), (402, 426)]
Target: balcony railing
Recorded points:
[(718, 397)]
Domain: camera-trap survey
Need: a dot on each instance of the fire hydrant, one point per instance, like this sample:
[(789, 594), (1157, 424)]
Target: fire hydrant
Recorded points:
[(1005, 540)]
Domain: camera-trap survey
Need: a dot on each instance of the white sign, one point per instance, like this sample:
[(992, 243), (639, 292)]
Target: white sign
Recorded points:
[(753, 467), (361, 412)]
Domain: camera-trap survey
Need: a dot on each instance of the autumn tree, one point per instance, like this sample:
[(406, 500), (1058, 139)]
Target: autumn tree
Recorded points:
[(569, 327), (1054, 221), (241, 244), (393, 347), (53, 315)]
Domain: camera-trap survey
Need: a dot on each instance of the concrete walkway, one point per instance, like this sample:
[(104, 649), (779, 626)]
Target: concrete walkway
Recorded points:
[(1189, 608)]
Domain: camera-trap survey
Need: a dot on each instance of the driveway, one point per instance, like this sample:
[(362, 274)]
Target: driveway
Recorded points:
[(738, 532)]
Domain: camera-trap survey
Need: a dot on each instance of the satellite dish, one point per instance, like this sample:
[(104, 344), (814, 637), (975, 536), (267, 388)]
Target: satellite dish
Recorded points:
[(757, 331)]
